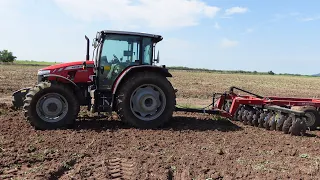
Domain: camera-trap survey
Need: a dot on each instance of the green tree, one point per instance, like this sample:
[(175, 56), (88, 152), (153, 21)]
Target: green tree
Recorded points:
[(271, 72), (7, 56)]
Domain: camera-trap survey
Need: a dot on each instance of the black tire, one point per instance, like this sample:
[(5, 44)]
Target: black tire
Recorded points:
[(127, 89), (17, 102), (313, 120), (44, 88), (18, 98)]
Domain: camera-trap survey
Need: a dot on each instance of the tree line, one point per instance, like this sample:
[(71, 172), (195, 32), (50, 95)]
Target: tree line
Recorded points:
[(230, 71), (7, 56)]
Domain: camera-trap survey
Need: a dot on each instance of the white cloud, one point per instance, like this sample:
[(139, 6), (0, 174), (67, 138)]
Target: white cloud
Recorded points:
[(164, 14), (217, 26), (227, 43), (236, 10), (283, 16), (310, 18)]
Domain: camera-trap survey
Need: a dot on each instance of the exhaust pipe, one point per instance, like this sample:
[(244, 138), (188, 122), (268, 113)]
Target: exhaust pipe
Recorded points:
[(88, 44)]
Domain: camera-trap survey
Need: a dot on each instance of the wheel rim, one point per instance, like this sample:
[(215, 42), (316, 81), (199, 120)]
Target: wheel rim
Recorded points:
[(311, 119), (147, 102), (52, 107)]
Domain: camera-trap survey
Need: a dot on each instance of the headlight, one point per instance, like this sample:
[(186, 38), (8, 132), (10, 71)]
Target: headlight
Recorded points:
[(43, 72)]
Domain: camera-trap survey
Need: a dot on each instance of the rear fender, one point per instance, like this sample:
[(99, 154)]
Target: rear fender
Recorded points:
[(134, 69)]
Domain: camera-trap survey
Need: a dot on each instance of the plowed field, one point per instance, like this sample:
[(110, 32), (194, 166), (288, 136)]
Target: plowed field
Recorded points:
[(191, 146)]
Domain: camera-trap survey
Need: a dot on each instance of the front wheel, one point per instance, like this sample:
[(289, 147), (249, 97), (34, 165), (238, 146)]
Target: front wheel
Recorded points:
[(146, 100), (50, 106)]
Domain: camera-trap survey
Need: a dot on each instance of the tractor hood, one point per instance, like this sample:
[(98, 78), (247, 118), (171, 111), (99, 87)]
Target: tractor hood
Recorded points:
[(59, 68), (69, 65)]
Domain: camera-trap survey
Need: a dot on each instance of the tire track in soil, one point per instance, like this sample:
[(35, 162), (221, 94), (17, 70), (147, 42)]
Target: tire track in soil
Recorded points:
[(121, 168), (184, 174), (62, 169)]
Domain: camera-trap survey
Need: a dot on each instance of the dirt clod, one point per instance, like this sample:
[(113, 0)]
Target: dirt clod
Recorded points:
[(220, 151)]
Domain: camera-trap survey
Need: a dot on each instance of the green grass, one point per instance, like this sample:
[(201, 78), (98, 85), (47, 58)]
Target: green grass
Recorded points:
[(34, 63)]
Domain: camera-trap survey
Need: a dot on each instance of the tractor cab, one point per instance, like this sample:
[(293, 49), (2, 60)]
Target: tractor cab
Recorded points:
[(118, 50)]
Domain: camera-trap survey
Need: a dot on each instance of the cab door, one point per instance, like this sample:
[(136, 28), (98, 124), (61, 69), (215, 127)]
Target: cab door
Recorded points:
[(118, 52)]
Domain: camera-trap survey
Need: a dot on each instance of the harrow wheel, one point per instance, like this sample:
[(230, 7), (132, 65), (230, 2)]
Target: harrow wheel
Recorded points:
[(313, 117)]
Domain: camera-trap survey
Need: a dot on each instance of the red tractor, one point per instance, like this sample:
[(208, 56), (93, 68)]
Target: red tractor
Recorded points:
[(123, 77)]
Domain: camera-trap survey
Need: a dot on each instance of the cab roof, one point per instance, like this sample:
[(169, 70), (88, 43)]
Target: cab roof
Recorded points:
[(154, 36)]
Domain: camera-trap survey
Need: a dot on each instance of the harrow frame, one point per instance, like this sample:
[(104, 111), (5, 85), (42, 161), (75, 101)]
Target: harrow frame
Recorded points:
[(228, 105)]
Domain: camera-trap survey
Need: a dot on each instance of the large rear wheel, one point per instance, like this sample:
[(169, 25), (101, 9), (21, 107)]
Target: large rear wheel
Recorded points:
[(146, 100), (50, 106)]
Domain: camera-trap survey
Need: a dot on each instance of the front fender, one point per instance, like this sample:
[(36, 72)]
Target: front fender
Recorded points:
[(62, 77)]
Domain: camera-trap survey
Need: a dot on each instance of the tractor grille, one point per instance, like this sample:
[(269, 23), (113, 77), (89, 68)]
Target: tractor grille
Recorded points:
[(40, 78)]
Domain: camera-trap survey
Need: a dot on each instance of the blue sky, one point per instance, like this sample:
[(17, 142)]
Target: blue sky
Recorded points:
[(282, 36)]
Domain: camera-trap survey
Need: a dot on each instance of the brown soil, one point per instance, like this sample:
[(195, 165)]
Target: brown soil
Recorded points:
[(191, 146)]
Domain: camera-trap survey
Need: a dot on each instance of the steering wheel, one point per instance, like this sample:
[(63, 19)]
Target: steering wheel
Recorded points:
[(115, 59), (115, 70)]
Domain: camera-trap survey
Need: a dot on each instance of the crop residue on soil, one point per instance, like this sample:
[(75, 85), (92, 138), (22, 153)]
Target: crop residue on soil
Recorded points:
[(190, 146)]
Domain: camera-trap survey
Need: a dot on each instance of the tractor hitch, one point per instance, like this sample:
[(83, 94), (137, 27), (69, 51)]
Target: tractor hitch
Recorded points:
[(195, 110)]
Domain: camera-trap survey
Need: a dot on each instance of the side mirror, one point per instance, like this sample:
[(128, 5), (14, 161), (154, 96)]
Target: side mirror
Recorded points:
[(158, 58), (95, 44)]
